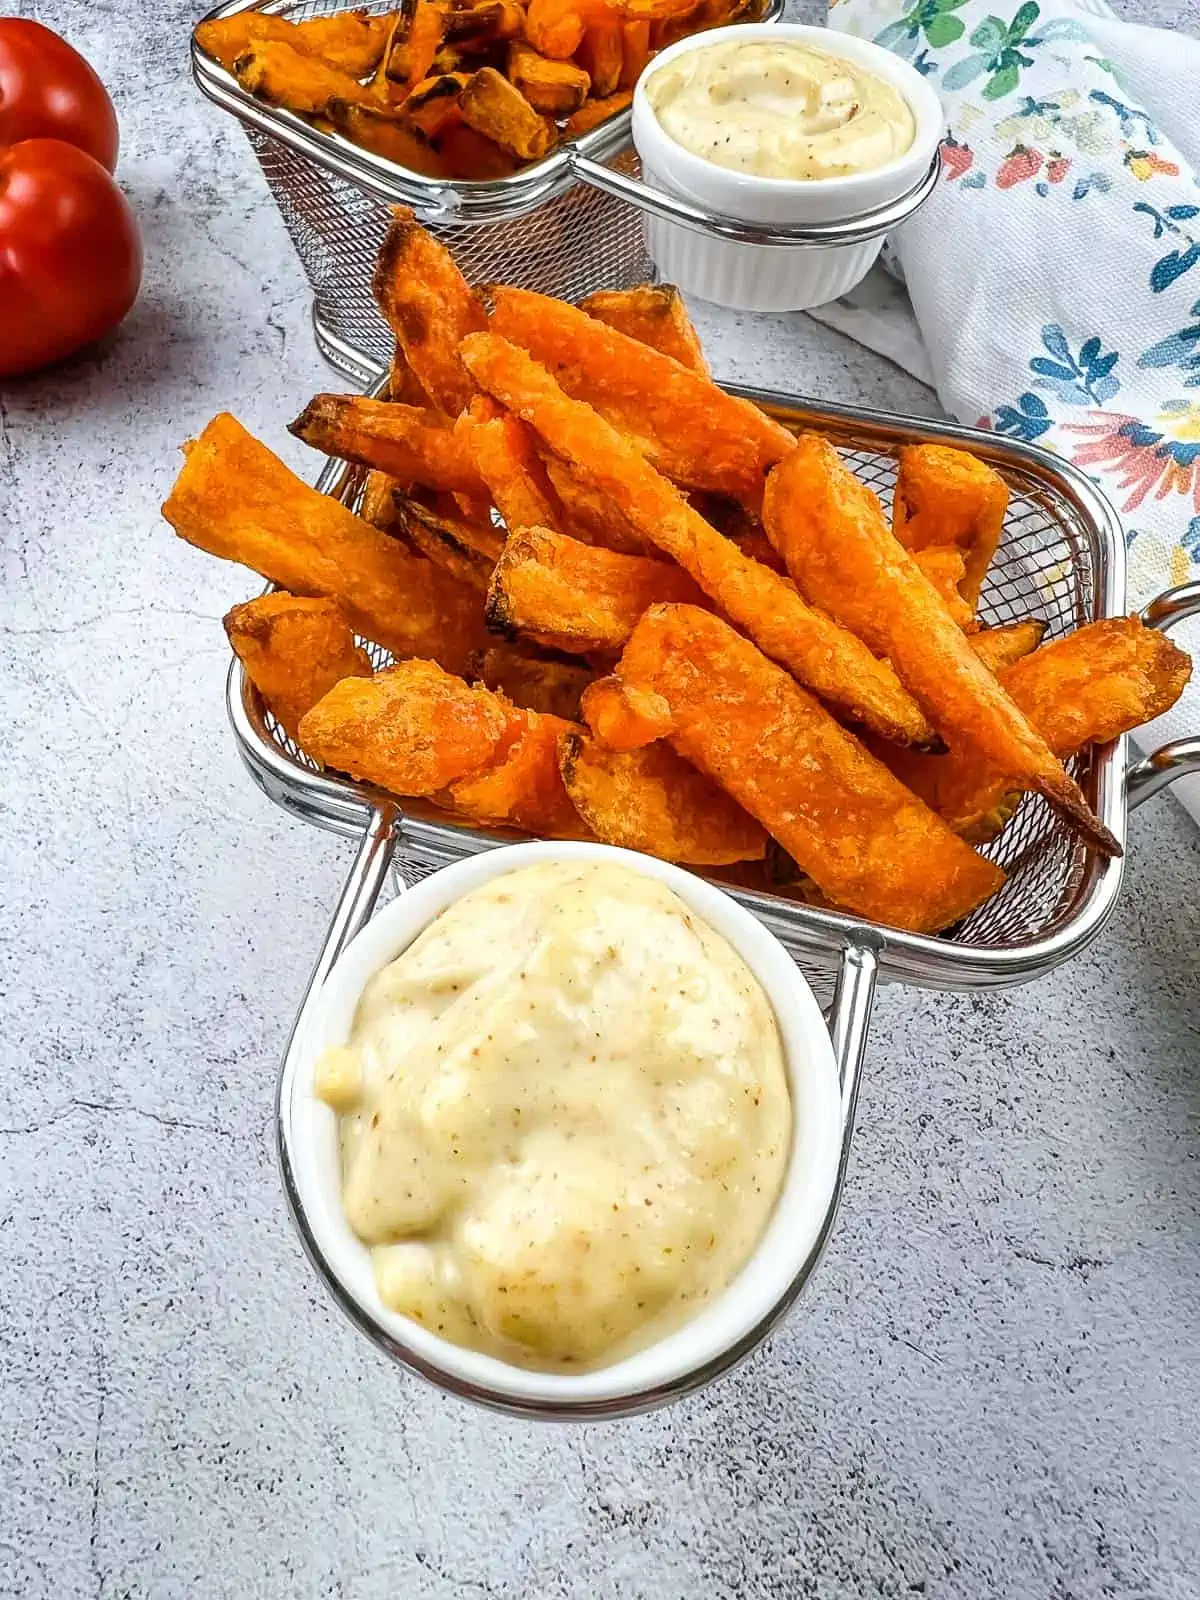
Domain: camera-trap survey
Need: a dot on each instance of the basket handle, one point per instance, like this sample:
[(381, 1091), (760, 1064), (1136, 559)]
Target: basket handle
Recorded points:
[(813, 235), (1181, 757)]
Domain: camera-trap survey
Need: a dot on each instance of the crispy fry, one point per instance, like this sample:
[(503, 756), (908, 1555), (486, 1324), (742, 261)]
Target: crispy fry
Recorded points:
[(555, 28), (412, 729), (294, 650), (235, 499), (868, 843), (430, 308), (487, 23), (591, 516), (624, 716), (409, 444), (502, 449), (593, 112), (413, 51), (832, 661), (403, 384), (635, 51), (468, 550), (467, 154), (577, 596), (394, 138), (283, 76), (378, 505), (1088, 687), (538, 683), (650, 10), (944, 566), (601, 54), (491, 106), (653, 314), (522, 784), (433, 104), (555, 88), (683, 424), (1000, 647), (949, 497), (352, 41), (655, 801), (830, 530)]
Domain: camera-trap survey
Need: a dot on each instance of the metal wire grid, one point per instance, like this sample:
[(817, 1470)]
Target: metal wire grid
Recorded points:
[(1043, 569)]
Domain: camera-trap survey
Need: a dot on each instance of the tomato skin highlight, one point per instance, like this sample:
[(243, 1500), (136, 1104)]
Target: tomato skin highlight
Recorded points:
[(70, 253), (48, 91)]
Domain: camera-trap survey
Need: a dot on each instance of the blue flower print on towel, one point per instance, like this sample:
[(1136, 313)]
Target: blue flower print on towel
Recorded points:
[(1191, 541), (1185, 256), (1002, 50), (931, 20), (1028, 419), (1180, 350), (1086, 379)]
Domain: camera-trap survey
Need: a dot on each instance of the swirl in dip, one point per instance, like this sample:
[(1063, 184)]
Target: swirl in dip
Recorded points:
[(777, 108), (564, 1117)]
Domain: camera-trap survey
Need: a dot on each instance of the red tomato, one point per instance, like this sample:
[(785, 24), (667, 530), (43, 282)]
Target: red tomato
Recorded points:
[(70, 253), (48, 91)]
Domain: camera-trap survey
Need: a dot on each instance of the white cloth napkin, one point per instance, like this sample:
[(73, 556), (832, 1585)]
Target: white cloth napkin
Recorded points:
[(1053, 279)]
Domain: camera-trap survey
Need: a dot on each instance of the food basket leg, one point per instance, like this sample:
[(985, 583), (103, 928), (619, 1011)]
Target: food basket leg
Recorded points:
[(1180, 758)]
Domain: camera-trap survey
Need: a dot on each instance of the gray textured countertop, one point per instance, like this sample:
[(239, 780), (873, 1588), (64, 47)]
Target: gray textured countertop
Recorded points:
[(991, 1390)]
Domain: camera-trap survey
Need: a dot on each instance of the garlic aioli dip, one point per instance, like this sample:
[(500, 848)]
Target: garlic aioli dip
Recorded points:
[(564, 1117), (780, 109)]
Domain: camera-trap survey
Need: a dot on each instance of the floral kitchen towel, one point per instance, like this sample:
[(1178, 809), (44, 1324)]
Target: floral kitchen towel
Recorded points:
[(1054, 275)]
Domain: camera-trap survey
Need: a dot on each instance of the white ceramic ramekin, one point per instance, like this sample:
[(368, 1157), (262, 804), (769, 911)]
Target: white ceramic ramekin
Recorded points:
[(730, 1325), (753, 277)]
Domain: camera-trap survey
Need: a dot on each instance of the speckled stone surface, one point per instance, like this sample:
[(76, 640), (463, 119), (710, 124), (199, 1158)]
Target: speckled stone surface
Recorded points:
[(991, 1390)]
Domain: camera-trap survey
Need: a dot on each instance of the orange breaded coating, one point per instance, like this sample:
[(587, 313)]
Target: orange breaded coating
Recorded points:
[(651, 313), (411, 444), (867, 842), (829, 528), (684, 425), (653, 800), (412, 730), (576, 596), (235, 499), (534, 682), (294, 650), (429, 306), (950, 497), (352, 41), (522, 785), (507, 463), (807, 641)]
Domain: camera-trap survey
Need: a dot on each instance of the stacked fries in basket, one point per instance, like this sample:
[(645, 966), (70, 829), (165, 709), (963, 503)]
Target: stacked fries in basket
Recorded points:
[(627, 605), (459, 90)]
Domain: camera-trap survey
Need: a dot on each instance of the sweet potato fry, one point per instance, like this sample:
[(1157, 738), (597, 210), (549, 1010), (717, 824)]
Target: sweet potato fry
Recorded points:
[(467, 550), (576, 596), (949, 497), (635, 51), (352, 41), (403, 384), (433, 103), (870, 845), (655, 801), (1094, 684), (294, 650), (944, 565), (684, 425), (832, 661), (601, 54), (555, 88), (384, 134), (284, 76), (522, 785), (594, 112), (378, 506), (467, 154), (624, 716), (538, 683), (653, 314), (829, 528), (488, 23), (650, 10), (1000, 647), (502, 450), (555, 28), (413, 51), (491, 106), (409, 444), (430, 308), (412, 729), (591, 516), (235, 499)]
